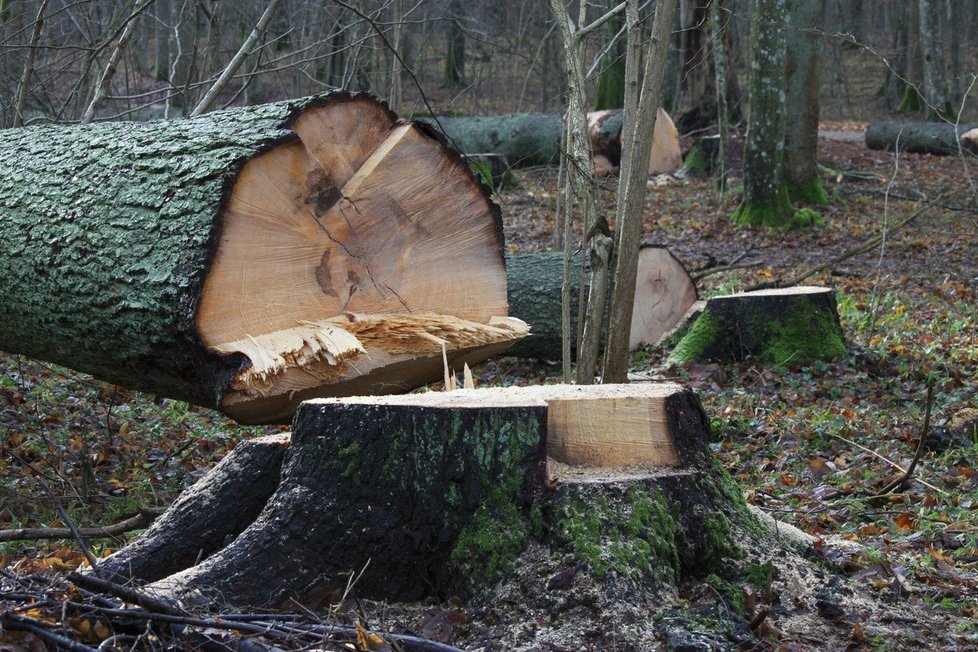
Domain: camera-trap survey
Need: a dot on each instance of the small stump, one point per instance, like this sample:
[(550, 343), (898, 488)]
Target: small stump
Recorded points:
[(779, 327), (442, 493)]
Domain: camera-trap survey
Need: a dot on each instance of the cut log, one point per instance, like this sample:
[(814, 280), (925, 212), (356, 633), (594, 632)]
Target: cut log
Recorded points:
[(663, 293), (788, 326), (249, 259), (938, 138), (534, 138), (969, 141), (440, 493)]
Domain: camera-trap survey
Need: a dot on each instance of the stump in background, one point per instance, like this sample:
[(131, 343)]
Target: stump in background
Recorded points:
[(784, 326)]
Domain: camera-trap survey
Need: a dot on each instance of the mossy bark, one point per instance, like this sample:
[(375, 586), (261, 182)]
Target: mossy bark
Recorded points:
[(805, 19), (108, 232), (916, 137), (809, 192), (772, 210), (773, 327), (440, 499)]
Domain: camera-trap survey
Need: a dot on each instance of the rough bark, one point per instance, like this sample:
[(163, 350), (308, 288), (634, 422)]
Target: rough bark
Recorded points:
[(440, 493), (937, 138), (935, 72), (801, 140), (765, 200), (663, 293), (206, 516), (789, 326), (527, 139), (150, 255)]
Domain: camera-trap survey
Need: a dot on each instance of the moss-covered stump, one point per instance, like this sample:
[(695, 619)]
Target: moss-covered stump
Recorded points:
[(664, 291), (252, 258), (441, 493), (786, 326)]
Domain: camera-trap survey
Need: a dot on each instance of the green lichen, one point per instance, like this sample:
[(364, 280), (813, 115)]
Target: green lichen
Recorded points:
[(803, 334), (775, 213), (810, 192), (697, 340), (638, 539)]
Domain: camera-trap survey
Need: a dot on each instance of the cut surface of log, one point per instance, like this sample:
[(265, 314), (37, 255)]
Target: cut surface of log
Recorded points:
[(969, 141), (787, 326), (663, 293), (604, 128), (251, 258), (939, 138), (439, 492)]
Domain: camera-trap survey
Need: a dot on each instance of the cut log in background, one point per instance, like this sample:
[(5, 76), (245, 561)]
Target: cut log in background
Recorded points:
[(663, 293), (787, 326), (938, 138), (527, 139), (441, 492), (251, 258)]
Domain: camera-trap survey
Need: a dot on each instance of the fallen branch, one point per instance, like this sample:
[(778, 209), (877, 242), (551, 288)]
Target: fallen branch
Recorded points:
[(908, 474), (136, 522), (37, 628), (132, 596), (724, 268)]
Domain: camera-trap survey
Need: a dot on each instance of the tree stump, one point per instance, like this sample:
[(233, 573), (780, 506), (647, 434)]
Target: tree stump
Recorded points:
[(663, 293), (249, 259), (440, 493), (784, 326)]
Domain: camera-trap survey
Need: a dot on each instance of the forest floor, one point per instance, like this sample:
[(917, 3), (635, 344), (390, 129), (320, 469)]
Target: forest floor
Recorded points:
[(810, 445)]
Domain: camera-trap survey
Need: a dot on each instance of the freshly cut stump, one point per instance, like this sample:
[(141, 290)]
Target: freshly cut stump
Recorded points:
[(787, 326), (250, 259), (664, 292), (440, 493)]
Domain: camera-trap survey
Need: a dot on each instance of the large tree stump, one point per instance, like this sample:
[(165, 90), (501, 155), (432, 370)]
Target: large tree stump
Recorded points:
[(938, 138), (440, 493), (252, 258), (785, 326), (663, 293)]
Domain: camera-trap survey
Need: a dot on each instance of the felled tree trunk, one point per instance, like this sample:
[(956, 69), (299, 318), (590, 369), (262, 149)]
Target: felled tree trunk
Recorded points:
[(252, 258), (939, 138), (788, 326), (663, 293), (534, 138), (441, 492)]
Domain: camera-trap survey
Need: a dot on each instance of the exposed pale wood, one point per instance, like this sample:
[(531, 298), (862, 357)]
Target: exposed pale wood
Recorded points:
[(604, 128), (341, 254)]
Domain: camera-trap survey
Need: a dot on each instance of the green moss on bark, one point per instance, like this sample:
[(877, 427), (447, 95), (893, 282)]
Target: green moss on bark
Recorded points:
[(775, 213), (697, 340), (811, 192)]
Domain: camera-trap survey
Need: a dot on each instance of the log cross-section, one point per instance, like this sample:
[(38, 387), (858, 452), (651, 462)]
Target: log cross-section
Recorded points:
[(252, 258)]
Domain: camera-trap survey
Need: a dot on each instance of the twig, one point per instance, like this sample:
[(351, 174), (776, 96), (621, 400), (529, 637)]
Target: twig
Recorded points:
[(887, 460), (859, 249), (136, 522), (67, 519), (36, 627), (908, 474), (132, 596), (724, 268)]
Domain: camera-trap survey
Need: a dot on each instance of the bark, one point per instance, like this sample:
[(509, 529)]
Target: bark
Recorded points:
[(932, 47), (801, 141), (455, 55), (206, 516), (765, 200), (717, 22), (440, 493), (611, 78), (663, 292), (157, 264), (937, 138), (25, 78), (790, 326), (912, 100)]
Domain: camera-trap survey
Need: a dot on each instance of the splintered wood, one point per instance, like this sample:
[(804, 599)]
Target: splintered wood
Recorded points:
[(593, 426), (353, 257)]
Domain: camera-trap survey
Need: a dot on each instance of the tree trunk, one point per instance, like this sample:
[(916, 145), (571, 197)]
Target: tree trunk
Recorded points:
[(161, 67), (663, 293), (611, 78), (790, 326), (440, 493), (527, 139), (932, 46), (455, 55), (249, 259), (937, 138), (912, 100), (801, 141), (766, 200)]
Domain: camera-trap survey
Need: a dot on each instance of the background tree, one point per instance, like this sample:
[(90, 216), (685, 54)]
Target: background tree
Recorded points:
[(802, 86), (766, 201), (935, 73)]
